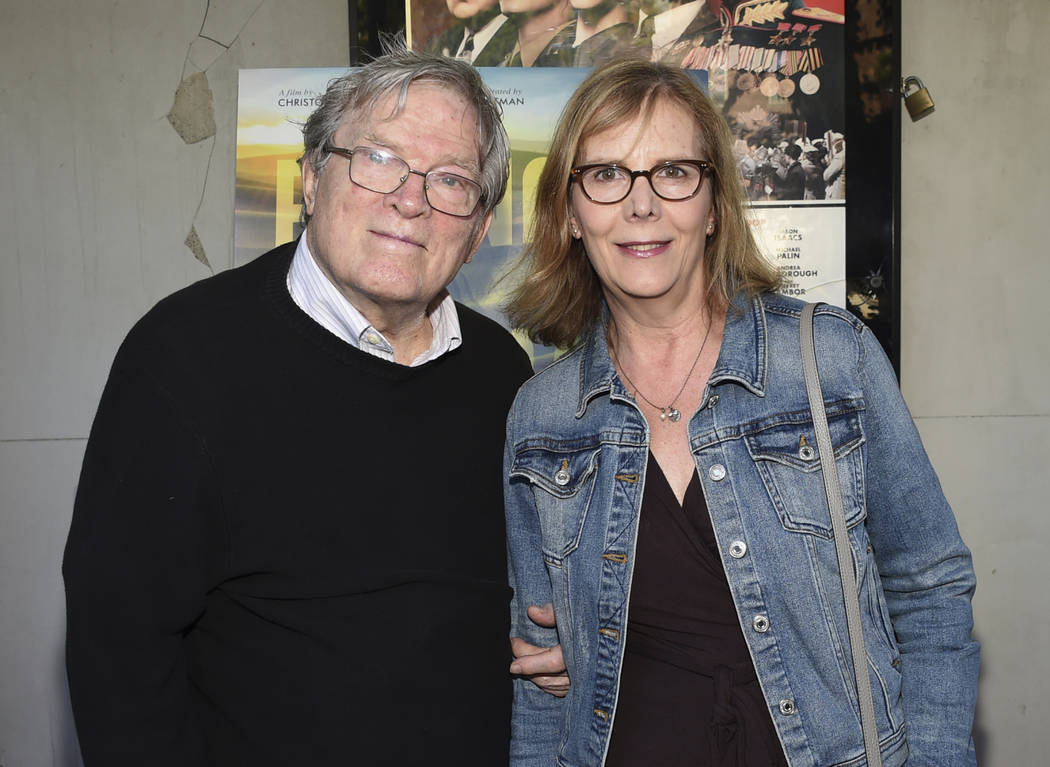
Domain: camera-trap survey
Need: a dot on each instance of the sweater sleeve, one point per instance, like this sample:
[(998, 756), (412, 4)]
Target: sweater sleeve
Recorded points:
[(145, 527)]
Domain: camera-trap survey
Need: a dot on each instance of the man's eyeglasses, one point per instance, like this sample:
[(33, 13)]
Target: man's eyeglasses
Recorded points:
[(380, 171), (606, 183)]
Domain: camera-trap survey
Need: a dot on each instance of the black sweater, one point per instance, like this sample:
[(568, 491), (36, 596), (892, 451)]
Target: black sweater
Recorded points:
[(285, 550)]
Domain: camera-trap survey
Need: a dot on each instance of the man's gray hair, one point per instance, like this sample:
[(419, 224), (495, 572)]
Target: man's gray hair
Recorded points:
[(357, 93)]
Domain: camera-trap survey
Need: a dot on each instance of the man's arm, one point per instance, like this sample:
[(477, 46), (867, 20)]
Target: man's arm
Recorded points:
[(135, 574)]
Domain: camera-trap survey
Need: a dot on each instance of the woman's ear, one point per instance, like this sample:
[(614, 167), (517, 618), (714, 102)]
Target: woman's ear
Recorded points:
[(574, 226)]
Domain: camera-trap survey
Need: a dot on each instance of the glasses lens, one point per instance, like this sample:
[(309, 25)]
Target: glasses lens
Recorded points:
[(606, 183), (671, 181), (384, 173), (377, 170), (676, 181), (452, 194)]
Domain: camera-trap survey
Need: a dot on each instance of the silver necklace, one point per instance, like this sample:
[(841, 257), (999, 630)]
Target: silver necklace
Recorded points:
[(669, 411)]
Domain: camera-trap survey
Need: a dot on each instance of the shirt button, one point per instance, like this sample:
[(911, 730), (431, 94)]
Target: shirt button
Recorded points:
[(372, 338), (787, 707), (737, 549), (717, 472), (760, 623)]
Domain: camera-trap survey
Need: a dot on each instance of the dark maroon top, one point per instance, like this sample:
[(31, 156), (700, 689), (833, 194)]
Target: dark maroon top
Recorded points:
[(688, 693)]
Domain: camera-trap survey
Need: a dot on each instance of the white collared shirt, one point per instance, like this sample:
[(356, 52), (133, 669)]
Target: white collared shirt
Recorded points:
[(669, 25), (315, 294), (486, 33)]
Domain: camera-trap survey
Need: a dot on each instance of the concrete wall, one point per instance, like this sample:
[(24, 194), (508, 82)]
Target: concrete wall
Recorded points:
[(98, 194), (974, 329)]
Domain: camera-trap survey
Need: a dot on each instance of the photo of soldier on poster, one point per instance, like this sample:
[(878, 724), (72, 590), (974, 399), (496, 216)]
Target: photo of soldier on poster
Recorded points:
[(527, 33), (774, 67)]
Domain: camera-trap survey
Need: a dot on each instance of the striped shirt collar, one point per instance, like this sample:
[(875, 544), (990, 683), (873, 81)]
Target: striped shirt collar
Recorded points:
[(314, 293)]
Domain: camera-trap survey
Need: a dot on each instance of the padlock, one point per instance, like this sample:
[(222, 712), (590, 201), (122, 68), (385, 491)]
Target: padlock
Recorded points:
[(918, 100)]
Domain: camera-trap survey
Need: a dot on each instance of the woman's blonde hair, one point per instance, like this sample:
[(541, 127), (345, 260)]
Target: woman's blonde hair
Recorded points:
[(559, 296)]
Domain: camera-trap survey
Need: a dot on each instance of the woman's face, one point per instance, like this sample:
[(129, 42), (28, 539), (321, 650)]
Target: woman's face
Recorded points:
[(645, 248)]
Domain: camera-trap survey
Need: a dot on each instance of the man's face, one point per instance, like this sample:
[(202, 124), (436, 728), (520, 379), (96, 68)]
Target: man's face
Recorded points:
[(465, 9), (393, 252)]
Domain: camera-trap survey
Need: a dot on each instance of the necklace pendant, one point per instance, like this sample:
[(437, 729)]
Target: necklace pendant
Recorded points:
[(673, 414), (663, 414)]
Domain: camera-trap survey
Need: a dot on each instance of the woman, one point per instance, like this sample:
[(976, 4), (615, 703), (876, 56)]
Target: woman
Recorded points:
[(663, 491)]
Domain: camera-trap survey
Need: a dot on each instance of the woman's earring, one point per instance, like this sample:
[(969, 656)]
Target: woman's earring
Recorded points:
[(710, 228)]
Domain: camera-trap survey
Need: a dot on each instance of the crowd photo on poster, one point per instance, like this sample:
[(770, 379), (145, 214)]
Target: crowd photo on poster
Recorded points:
[(774, 67)]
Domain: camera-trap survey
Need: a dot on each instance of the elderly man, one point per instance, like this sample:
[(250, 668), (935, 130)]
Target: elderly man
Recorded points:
[(288, 546)]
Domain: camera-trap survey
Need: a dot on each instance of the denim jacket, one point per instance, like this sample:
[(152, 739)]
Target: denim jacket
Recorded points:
[(574, 473)]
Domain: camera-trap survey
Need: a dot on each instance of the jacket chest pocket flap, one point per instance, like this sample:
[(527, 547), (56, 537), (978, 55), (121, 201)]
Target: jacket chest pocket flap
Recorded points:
[(788, 460), (562, 483)]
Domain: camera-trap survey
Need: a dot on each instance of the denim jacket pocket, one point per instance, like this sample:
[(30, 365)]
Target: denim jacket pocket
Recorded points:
[(562, 480), (788, 459)]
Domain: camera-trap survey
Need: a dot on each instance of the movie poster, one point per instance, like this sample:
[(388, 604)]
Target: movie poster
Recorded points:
[(774, 68), (274, 103)]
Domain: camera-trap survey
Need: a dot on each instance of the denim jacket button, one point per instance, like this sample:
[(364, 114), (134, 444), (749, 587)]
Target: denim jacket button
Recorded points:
[(562, 477), (760, 623), (713, 401), (787, 707), (737, 549), (717, 472)]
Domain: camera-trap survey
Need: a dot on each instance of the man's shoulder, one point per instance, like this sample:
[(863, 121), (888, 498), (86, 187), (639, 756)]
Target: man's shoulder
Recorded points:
[(207, 310), (482, 329), (221, 292), (484, 336)]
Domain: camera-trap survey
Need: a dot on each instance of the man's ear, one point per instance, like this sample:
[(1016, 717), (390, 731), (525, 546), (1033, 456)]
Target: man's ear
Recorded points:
[(479, 236), (309, 185)]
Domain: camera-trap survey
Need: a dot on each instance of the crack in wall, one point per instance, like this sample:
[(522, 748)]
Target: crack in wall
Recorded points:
[(192, 116), (193, 242)]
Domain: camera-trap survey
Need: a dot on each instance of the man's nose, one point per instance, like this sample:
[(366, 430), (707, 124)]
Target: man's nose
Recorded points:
[(410, 198)]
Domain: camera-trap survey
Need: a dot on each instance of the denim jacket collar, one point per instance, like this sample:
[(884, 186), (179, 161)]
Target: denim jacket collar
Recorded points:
[(742, 358)]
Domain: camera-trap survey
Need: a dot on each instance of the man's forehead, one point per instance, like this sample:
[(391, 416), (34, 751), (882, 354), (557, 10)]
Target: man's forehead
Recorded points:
[(370, 120), (389, 106)]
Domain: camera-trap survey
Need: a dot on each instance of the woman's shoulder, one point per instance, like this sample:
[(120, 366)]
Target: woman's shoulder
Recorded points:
[(563, 372), (784, 313), (844, 344), (551, 396), (790, 308)]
